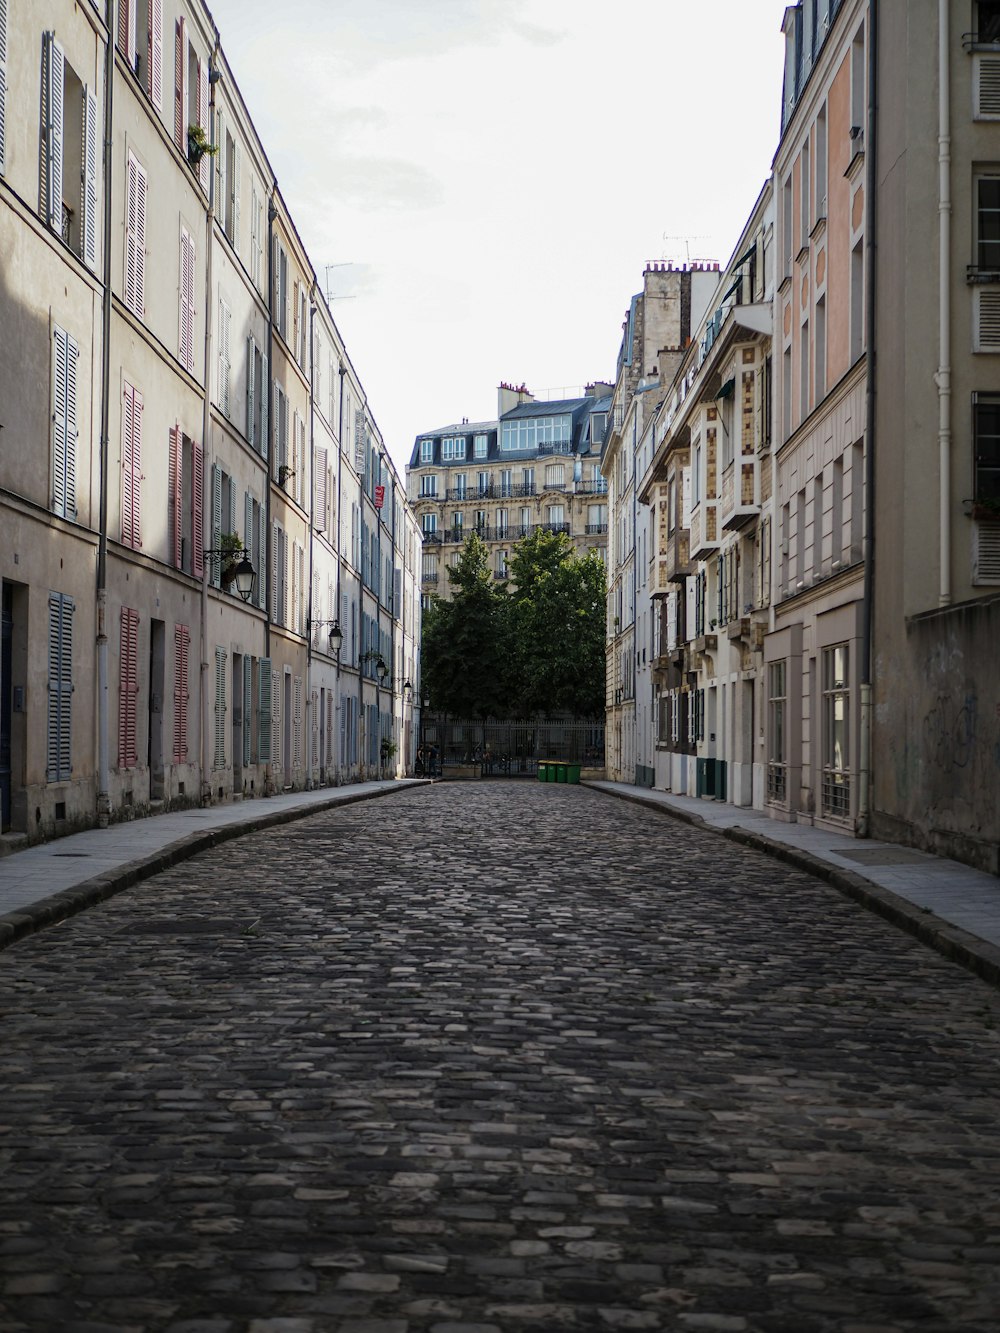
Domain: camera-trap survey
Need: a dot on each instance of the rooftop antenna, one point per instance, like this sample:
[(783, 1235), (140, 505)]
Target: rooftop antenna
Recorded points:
[(330, 298), (698, 259)]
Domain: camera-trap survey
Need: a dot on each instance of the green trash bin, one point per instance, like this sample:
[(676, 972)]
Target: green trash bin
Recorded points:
[(543, 771), (551, 773), (561, 771), (573, 773)]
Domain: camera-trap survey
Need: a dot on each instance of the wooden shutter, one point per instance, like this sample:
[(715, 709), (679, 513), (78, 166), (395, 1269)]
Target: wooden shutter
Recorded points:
[(296, 586), (215, 540), (275, 560), (187, 301), (174, 480), (205, 165), (264, 710), (3, 82), (251, 369), (247, 705), (88, 181), (180, 86), (234, 188), (65, 354), (262, 560), (60, 689), (225, 320), (319, 489), (219, 757), (131, 467), (262, 390), (128, 687), (182, 640), (297, 721), (220, 171), (154, 65), (126, 31), (276, 746), (135, 237), (53, 86), (314, 728), (197, 509)]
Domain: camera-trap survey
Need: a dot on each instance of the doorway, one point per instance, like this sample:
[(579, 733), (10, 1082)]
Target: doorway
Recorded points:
[(238, 705), (157, 684), (6, 701)]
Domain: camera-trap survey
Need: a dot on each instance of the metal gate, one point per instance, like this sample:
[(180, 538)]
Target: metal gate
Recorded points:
[(508, 748)]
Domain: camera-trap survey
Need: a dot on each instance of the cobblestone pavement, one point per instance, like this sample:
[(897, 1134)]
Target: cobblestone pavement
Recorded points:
[(494, 1057)]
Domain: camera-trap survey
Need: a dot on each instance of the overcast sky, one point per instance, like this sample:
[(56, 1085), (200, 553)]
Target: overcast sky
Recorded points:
[(488, 178)]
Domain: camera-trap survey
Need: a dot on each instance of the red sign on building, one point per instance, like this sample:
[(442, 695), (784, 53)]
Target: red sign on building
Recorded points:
[(379, 496)]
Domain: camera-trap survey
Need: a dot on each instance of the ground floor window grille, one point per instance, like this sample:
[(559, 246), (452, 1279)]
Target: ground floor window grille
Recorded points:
[(777, 761), (836, 733)]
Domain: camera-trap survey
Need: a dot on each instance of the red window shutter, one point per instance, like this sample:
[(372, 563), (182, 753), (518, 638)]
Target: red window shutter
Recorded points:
[(187, 302), (197, 509), (128, 688), (154, 85), (182, 640), (175, 479)]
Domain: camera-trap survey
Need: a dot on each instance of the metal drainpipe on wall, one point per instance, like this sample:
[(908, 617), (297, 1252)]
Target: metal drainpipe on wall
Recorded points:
[(103, 760), (312, 517), (862, 825), (206, 421)]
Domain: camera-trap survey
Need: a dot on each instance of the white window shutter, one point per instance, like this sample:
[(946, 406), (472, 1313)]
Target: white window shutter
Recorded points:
[(220, 173), (154, 84), (126, 30), (64, 432), (235, 186), (3, 82), (251, 361), (135, 237), (319, 490), (180, 86), (205, 165), (53, 89), (225, 319), (88, 187), (262, 389), (187, 302), (275, 533)]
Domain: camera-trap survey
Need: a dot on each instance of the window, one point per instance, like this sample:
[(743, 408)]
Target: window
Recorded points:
[(225, 321), (257, 237), (256, 397), (427, 451), (820, 348), (223, 516), (281, 465), (986, 435), (988, 21), (429, 485), (786, 224), (320, 514), (70, 147), (219, 748), (821, 163), (804, 206), (186, 286), (131, 467), (481, 445), (988, 223), (506, 483), (836, 721), (281, 289), (255, 542), (528, 480), (804, 371), (555, 515), (181, 121), (546, 434), (58, 766), (186, 481), (65, 355), (147, 57), (555, 475), (452, 448), (197, 87), (597, 518), (501, 564), (128, 687), (428, 523), (230, 160), (481, 524), (460, 484), (598, 425), (135, 237), (485, 484), (503, 522), (857, 301), (777, 765), (858, 91), (524, 521), (279, 575)]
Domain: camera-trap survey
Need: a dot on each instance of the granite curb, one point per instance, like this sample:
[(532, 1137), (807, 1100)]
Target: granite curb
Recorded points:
[(50, 911), (976, 955)]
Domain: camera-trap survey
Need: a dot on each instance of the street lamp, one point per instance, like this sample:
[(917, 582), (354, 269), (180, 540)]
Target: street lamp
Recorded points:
[(336, 633), (242, 573)]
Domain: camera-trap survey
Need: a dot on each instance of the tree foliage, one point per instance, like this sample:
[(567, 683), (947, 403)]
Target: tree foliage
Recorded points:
[(534, 648)]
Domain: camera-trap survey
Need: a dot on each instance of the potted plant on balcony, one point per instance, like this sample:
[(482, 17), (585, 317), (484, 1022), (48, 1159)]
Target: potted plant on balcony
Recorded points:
[(986, 510), (198, 145)]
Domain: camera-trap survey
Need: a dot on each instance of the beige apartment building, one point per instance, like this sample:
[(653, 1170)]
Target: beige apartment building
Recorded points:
[(538, 465), (179, 416)]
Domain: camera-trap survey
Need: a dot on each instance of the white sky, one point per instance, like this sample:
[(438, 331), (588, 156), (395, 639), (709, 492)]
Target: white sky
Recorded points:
[(490, 177)]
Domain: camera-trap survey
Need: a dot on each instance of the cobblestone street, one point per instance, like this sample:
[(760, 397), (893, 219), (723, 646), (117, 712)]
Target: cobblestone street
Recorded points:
[(486, 1057)]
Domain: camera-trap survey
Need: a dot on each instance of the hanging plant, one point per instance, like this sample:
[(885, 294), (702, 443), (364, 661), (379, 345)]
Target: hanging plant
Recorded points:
[(198, 145)]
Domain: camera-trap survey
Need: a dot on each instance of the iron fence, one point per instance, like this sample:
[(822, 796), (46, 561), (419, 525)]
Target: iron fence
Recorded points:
[(510, 747)]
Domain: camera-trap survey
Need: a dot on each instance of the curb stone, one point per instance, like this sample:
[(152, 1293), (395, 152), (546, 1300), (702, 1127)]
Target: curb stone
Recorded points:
[(60, 906), (960, 946)]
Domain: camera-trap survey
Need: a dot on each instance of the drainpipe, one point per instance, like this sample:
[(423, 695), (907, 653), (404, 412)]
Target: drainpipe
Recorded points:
[(312, 516), (863, 821), (103, 760), (206, 421), (943, 377), (272, 213), (338, 703)]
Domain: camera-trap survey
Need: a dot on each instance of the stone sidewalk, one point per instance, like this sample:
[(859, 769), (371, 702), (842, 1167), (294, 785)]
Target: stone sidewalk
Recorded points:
[(947, 905), (53, 880)]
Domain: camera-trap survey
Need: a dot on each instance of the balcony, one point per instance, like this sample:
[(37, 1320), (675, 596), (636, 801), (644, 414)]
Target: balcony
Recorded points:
[(428, 578), (591, 487), (594, 529), (432, 538), (552, 527)]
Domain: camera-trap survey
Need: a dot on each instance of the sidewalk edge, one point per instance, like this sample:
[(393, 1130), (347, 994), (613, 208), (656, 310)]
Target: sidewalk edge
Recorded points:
[(60, 906), (958, 945)]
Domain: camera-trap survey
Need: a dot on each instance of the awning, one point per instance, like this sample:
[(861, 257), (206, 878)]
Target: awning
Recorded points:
[(727, 389)]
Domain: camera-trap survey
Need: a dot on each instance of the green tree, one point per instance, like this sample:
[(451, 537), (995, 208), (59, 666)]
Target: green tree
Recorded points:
[(558, 626), (466, 670)]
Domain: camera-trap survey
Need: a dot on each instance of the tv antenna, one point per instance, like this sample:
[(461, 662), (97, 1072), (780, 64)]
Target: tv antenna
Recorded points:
[(698, 259), (330, 298)]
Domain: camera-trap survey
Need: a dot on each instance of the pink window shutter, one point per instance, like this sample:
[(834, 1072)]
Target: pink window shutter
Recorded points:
[(174, 481), (197, 510)]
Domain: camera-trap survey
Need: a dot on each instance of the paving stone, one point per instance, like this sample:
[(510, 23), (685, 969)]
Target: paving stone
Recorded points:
[(465, 1076)]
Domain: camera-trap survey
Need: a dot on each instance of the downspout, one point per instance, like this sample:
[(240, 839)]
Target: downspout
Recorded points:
[(206, 420), (103, 749), (943, 377), (312, 516), (338, 703), (863, 821), (272, 213)]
